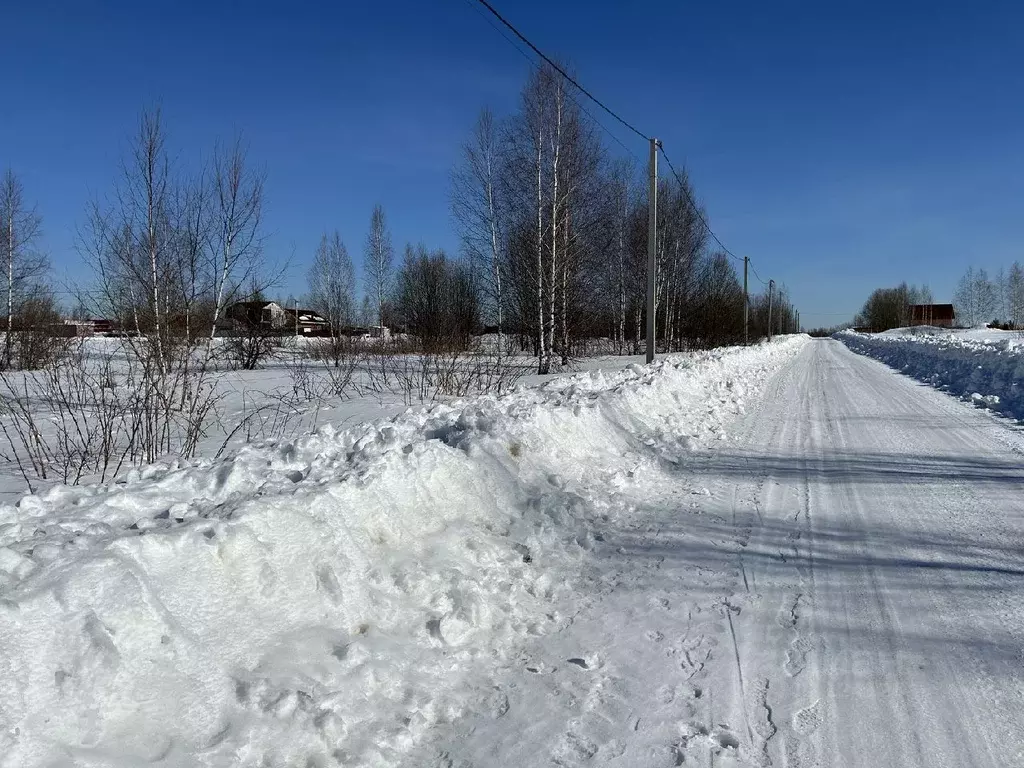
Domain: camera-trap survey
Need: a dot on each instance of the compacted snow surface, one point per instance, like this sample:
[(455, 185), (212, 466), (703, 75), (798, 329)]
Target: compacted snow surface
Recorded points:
[(783, 555)]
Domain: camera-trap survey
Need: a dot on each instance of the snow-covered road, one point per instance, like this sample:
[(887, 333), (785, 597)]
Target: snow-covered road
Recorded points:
[(839, 584), (781, 555)]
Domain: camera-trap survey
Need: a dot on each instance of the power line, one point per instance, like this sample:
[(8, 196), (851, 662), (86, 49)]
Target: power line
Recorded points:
[(762, 282), (693, 205), (616, 116), (536, 66), (561, 71)]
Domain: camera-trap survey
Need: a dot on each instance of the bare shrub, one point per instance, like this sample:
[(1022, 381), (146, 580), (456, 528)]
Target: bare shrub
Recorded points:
[(341, 358), (464, 373), (249, 346), (35, 340), (401, 370), (265, 416), (88, 413)]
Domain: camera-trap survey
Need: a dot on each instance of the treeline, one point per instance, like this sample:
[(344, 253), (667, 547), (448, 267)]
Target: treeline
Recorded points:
[(553, 232), (978, 300), (996, 301), (888, 308)]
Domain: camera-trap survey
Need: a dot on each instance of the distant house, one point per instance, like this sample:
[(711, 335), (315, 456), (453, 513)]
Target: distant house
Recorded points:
[(73, 327), (306, 322), (939, 315), (256, 314), (365, 331), (271, 316)]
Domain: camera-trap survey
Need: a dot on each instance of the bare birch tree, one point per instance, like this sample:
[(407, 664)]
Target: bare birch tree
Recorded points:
[(237, 244), (476, 206), (332, 284), (1015, 294), (565, 232), (377, 261), (23, 265), (621, 199), (169, 251)]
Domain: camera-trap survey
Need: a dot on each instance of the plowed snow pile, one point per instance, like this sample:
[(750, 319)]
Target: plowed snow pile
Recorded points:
[(328, 601), (986, 371)]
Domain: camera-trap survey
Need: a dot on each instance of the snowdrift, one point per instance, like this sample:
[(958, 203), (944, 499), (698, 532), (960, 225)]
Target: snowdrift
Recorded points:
[(328, 601), (986, 371)]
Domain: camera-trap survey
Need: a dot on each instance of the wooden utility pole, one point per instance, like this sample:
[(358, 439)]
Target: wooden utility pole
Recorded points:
[(771, 288), (652, 236)]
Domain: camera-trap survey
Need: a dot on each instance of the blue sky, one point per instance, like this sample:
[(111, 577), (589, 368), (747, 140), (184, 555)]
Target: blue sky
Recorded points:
[(842, 146)]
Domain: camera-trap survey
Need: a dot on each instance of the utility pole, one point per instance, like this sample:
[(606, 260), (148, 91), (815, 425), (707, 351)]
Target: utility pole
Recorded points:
[(652, 236), (746, 303), (771, 288)]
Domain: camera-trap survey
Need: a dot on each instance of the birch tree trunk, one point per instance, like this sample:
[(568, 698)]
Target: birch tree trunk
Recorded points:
[(565, 290), (553, 280), (543, 359), (495, 257), (9, 336)]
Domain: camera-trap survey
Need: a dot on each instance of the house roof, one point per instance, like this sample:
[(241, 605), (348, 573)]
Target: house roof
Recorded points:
[(307, 314)]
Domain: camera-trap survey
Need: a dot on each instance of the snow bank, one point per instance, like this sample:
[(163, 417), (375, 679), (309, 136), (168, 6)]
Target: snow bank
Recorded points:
[(987, 335), (329, 600), (987, 371)]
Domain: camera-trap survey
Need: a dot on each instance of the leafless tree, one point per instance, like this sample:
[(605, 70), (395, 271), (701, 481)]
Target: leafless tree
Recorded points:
[(1000, 290), (237, 240), (23, 264), (1015, 294), (477, 207), (552, 185), (331, 283), (377, 261), (975, 297), (436, 301), (622, 195), (132, 243), (169, 251)]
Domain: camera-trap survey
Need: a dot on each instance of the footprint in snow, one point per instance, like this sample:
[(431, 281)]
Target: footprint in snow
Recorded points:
[(807, 720), (696, 740), (796, 656)]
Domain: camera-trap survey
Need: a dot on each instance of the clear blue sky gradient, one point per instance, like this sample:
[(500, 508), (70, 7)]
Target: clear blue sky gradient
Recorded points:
[(842, 146)]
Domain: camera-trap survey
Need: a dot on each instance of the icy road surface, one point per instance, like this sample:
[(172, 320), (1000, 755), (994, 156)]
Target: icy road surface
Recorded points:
[(850, 592)]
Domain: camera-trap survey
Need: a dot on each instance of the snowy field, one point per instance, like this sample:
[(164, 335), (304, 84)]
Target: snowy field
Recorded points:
[(983, 366), (68, 414), (340, 598)]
